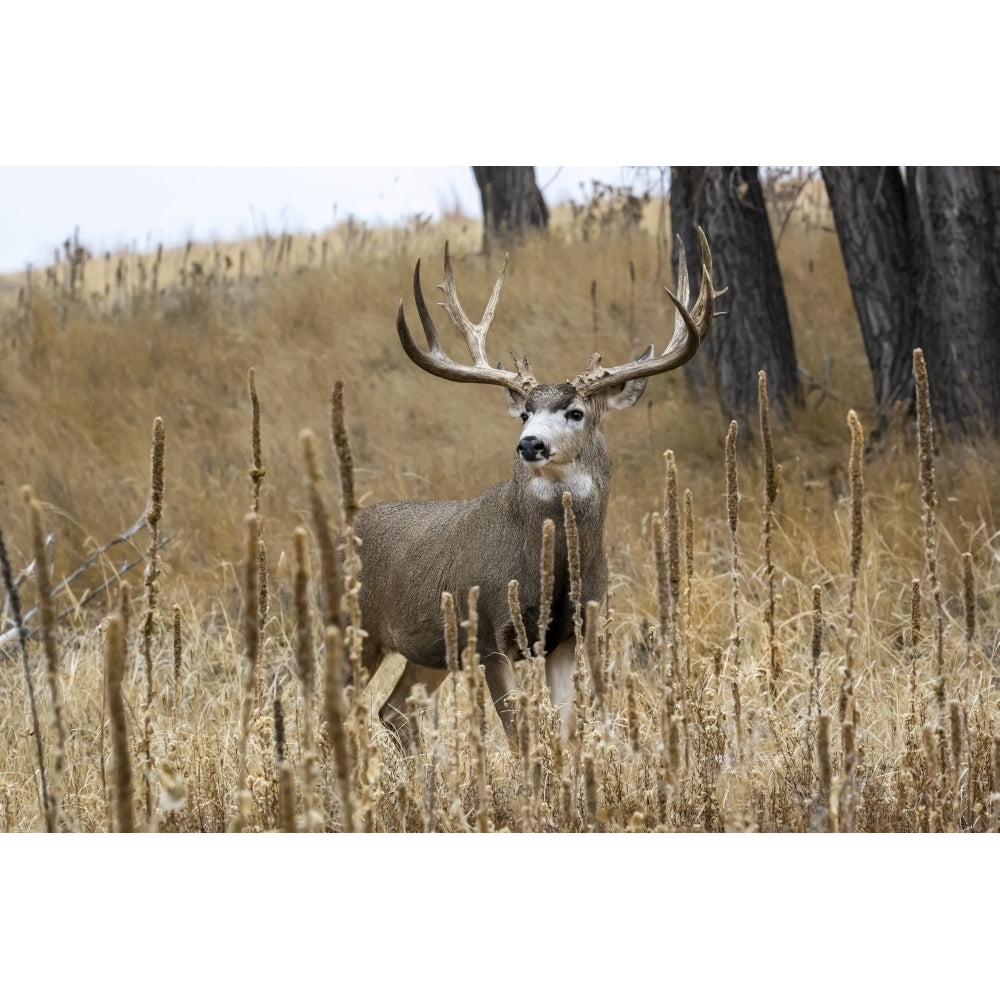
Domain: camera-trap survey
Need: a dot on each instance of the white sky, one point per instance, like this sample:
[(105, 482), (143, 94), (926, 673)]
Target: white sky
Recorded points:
[(242, 82), (119, 207)]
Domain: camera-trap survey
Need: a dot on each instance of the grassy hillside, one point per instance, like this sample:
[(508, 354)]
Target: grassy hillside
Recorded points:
[(706, 725)]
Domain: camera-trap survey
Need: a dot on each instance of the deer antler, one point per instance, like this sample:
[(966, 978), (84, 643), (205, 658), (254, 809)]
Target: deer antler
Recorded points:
[(435, 361), (690, 329)]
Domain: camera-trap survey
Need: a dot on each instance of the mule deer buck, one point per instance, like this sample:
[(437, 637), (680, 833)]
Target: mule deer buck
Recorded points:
[(414, 550)]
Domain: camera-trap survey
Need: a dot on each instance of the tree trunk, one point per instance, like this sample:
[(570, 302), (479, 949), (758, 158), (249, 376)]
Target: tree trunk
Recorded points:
[(728, 203), (512, 203), (870, 214), (956, 251), (923, 261)]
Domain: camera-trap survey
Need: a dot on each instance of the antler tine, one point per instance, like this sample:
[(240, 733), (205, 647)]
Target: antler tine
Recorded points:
[(435, 361), (475, 334), (690, 329), (430, 330), (683, 288)]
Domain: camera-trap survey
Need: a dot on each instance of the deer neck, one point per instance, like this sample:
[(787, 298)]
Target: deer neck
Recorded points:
[(586, 478)]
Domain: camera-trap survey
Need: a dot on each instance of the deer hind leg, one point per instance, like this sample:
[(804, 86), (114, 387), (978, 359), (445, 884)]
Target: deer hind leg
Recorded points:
[(393, 713), (559, 667), (502, 682)]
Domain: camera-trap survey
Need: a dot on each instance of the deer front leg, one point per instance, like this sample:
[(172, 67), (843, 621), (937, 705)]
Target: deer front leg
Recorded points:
[(393, 713), (559, 667)]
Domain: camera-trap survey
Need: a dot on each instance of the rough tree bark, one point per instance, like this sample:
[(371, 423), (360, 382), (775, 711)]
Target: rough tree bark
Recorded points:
[(512, 202), (728, 203), (923, 261), (956, 250), (870, 215)]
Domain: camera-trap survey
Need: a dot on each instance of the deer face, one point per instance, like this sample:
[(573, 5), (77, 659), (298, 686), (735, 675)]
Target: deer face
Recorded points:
[(558, 421)]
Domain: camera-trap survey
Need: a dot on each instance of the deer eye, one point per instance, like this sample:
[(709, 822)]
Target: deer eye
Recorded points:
[(524, 418), (575, 415)]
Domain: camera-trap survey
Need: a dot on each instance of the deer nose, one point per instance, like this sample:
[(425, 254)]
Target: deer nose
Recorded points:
[(532, 448)]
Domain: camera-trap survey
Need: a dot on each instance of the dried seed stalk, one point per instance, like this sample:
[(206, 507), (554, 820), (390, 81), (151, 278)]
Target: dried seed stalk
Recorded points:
[(822, 823), (342, 445), (304, 655), (477, 722), (846, 796), (121, 764), (857, 528), (355, 634), (914, 641), (470, 654), (817, 649), (771, 479), (671, 516), (733, 514), (278, 721), (324, 535), (305, 660), (956, 718), (48, 812), (590, 789), (928, 497), (153, 514), (573, 558), (594, 661), (969, 601), (632, 710), (689, 577), (286, 798), (258, 472), (251, 640), (47, 612), (450, 631), (335, 712), (416, 711), (514, 604), (178, 648), (547, 574), (662, 582), (148, 627)]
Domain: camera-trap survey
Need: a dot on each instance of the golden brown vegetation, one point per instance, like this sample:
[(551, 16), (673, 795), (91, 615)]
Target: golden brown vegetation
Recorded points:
[(807, 642)]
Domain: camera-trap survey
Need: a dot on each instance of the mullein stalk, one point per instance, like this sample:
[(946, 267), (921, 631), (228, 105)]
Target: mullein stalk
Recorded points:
[(121, 763), (733, 518), (305, 660), (772, 475), (251, 640), (47, 611), (45, 802), (929, 500), (153, 514), (335, 712), (857, 530)]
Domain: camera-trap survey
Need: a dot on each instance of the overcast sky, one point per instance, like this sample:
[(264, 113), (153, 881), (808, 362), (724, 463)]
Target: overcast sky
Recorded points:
[(119, 207), (231, 82)]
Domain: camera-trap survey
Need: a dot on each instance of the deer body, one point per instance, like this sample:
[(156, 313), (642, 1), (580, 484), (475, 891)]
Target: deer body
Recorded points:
[(413, 551)]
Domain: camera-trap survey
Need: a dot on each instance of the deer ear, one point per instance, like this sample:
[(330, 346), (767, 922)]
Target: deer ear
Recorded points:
[(515, 402), (621, 397)]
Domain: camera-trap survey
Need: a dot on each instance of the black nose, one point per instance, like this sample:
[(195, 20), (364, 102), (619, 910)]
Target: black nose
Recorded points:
[(531, 448)]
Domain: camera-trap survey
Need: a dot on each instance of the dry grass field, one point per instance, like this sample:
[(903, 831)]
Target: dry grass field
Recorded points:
[(825, 659)]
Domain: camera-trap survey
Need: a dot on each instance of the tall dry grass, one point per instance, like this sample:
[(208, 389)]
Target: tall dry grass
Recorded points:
[(781, 669)]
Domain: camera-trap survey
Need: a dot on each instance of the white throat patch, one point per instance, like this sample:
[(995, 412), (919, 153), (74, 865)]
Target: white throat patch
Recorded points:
[(552, 480)]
